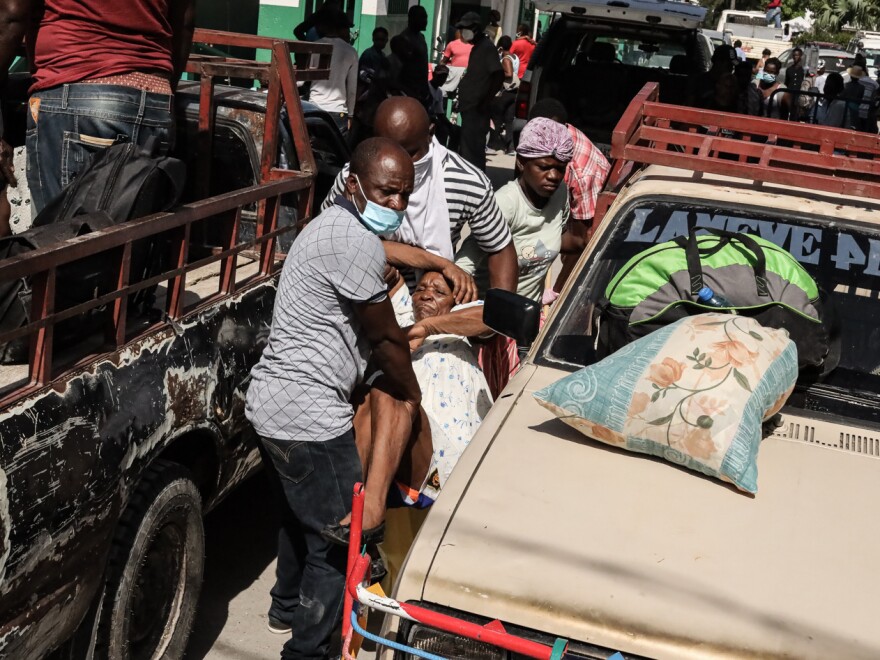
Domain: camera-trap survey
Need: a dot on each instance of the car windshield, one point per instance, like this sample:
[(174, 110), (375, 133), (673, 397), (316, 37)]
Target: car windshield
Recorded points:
[(844, 258)]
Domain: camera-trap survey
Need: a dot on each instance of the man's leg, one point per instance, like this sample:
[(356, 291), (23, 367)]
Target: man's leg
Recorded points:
[(318, 480), (474, 126)]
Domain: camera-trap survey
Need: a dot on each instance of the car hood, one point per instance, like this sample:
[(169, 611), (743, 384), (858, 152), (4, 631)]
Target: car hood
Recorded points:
[(560, 534)]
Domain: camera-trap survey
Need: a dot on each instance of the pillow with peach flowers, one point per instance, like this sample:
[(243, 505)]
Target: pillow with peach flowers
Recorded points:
[(694, 393)]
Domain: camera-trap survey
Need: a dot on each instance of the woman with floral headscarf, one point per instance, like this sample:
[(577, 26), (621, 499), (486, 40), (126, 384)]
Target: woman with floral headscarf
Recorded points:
[(534, 204)]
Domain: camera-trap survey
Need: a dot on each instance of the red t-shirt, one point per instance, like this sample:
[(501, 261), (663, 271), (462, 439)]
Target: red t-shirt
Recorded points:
[(83, 39), (523, 49), (458, 52)]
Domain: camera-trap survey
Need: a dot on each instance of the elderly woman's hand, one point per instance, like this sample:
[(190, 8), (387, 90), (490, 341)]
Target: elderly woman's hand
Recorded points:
[(464, 289), (416, 334)]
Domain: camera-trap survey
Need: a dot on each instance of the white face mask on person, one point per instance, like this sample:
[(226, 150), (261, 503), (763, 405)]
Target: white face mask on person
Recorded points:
[(379, 219), (467, 35)]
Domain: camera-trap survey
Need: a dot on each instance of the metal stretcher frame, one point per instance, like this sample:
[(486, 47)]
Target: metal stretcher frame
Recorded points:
[(115, 243), (821, 158), (356, 593)]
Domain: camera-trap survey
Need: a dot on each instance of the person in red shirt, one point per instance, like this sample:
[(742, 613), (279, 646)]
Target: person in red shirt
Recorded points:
[(523, 47), (774, 13), (104, 72), (456, 57)]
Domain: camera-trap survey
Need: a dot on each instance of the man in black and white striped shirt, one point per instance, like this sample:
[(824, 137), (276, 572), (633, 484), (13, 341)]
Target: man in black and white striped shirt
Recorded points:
[(449, 193)]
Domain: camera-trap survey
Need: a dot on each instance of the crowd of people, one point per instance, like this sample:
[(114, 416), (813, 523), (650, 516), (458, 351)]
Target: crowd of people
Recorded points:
[(767, 89), (479, 69)]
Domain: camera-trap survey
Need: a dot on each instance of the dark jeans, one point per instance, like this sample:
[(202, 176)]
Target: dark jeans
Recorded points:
[(67, 125), (315, 481), (341, 121), (503, 107), (474, 127)]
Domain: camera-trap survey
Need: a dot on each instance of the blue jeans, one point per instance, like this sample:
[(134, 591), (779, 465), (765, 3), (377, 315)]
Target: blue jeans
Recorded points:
[(67, 125), (774, 16), (314, 481)]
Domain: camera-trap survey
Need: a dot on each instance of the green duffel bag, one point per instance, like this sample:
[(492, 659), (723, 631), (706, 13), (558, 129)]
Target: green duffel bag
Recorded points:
[(711, 272)]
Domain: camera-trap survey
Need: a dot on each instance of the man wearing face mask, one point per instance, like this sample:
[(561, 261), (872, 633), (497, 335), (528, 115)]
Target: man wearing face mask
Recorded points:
[(482, 81), (449, 192), (332, 314)]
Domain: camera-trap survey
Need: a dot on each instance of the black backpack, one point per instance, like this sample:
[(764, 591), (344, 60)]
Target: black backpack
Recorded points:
[(124, 181), (121, 183)]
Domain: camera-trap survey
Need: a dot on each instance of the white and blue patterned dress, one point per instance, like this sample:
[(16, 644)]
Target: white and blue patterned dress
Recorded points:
[(455, 395)]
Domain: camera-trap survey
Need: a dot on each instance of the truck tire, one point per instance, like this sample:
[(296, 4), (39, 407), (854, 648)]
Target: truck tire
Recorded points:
[(155, 569)]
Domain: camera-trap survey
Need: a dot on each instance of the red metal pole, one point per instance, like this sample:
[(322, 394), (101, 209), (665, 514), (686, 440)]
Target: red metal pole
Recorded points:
[(354, 551)]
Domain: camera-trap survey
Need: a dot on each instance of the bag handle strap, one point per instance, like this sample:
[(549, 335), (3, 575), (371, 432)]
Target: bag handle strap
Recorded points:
[(693, 253)]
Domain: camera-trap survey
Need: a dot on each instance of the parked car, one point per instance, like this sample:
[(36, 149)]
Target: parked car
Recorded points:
[(548, 534), (597, 55), (835, 59), (714, 38)]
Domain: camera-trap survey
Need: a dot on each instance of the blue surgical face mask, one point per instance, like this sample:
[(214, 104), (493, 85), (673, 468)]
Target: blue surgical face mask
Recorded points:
[(379, 219), (766, 77)]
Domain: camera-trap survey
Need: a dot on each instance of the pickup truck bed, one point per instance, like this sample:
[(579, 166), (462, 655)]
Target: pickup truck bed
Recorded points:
[(200, 284)]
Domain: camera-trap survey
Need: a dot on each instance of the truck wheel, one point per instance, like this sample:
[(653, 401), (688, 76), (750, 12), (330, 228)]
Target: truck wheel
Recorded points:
[(155, 570)]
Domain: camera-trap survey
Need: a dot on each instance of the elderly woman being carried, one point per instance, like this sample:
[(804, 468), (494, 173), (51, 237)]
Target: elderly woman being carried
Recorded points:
[(455, 396)]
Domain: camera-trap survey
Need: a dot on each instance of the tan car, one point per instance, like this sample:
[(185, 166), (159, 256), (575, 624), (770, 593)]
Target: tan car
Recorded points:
[(556, 535)]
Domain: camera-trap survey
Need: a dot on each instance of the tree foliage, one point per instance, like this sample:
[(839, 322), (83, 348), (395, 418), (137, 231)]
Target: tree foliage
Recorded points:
[(834, 15)]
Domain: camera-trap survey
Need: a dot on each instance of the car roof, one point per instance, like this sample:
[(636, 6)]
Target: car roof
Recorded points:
[(657, 13), (659, 180), (233, 96)]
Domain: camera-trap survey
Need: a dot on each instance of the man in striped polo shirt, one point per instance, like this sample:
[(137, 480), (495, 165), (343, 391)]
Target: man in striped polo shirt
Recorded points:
[(449, 193)]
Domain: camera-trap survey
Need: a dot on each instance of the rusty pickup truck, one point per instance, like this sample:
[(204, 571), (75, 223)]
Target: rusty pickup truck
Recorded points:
[(112, 450)]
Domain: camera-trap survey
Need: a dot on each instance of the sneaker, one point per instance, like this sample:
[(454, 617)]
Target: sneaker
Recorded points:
[(278, 627)]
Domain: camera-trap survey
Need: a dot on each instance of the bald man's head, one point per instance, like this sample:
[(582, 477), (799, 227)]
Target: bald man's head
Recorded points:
[(404, 120)]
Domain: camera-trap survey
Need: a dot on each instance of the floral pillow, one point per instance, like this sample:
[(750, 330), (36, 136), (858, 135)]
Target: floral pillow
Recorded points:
[(694, 393)]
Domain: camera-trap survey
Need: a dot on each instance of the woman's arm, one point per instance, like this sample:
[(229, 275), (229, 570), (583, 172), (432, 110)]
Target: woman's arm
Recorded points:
[(507, 65), (465, 323)]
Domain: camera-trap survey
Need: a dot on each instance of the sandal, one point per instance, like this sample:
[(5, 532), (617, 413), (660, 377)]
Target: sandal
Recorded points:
[(339, 534)]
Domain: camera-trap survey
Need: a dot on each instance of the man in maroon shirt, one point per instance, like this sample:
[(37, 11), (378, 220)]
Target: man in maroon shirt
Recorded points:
[(523, 47), (104, 72)]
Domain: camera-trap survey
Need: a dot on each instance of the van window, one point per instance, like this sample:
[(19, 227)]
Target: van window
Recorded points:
[(651, 53), (843, 258)]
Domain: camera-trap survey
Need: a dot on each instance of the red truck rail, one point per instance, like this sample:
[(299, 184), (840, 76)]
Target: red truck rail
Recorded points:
[(223, 212), (758, 149)]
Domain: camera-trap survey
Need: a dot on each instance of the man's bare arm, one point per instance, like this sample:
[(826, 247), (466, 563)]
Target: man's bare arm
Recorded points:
[(399, 254), (464, 322), (503, 268), (390, 349), (16, 16), (183, 21)]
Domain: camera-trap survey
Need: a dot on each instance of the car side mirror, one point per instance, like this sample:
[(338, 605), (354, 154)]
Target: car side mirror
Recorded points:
[(512, 315)]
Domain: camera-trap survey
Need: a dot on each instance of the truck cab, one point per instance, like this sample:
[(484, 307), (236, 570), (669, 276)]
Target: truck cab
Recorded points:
[(549, 535)]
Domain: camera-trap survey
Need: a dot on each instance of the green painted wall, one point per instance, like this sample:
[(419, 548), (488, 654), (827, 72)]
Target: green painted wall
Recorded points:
[(276, 21)]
